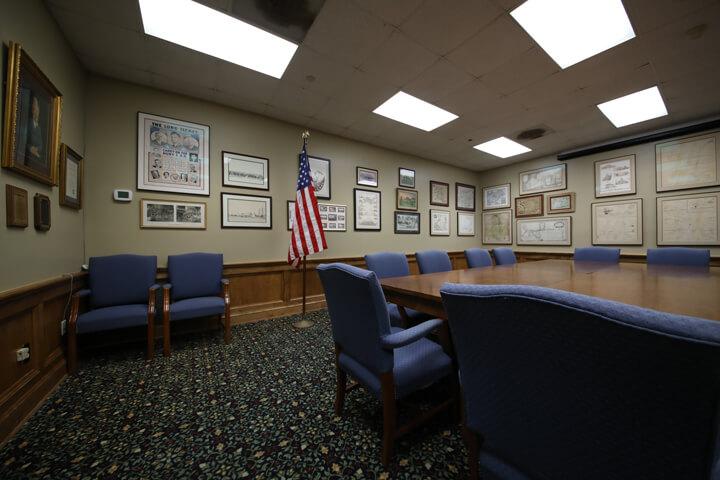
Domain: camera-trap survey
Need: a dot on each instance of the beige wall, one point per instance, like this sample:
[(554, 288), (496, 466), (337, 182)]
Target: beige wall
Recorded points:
[(581, 180), (28, 255)]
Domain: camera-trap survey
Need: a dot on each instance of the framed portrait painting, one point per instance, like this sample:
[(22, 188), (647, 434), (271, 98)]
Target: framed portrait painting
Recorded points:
[(71, 177), (31, 128)]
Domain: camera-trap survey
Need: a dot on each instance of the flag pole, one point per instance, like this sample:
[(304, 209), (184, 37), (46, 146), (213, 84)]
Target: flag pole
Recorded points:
[(303, 323)]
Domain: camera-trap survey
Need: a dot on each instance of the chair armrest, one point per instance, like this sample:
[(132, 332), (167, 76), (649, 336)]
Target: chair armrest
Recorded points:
[(82, 293), (400, 339), (154, 286), (225, 281), (75, 306)]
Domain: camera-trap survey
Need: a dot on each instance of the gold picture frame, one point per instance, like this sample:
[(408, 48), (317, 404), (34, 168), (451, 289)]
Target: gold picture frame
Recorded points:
[(71, 177), (31, 131)]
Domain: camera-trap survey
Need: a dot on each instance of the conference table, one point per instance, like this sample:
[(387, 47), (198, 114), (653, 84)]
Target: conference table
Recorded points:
[(692, 291)]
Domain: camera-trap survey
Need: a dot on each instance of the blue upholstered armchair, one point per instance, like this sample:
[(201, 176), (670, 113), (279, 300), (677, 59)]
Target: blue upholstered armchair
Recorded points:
[(561, 385), (432, 261), (121, 294), (597, 254), (478, 257), (392, 264), (195, 289), (388, 361), (695, 257), (504, 256)]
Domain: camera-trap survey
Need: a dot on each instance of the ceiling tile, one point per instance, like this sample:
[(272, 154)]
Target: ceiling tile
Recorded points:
[(398, 60), (170, 60), (317, 72), (339, 113), (245, 84), (394, 12), (523, 70), (438, 81), (111, 12), (288, 97)]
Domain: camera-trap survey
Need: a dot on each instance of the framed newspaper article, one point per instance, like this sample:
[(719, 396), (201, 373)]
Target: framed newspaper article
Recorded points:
[(173, 155)]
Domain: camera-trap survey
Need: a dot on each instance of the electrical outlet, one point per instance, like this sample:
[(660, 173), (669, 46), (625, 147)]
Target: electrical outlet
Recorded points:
[(22, 354), (63, 327)]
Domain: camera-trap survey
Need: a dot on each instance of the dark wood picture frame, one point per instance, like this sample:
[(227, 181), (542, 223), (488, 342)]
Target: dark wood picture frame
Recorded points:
[(406, 177), (406, 199), (322, 185), (459, 197), (16, 206), (436, 188), (42, 212), (71, 177), (404, 230), (529, 206)]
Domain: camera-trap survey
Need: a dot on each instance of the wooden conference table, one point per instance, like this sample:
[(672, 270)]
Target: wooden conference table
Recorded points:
[(693, 291)]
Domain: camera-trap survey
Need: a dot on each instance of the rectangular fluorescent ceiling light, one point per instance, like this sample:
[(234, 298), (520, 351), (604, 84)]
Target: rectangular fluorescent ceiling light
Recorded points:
[(572, 30), (502, 147), (634, 108), (206, 30), (412, 111)]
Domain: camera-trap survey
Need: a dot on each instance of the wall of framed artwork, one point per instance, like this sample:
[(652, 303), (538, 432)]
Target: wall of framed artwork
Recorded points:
[(692, 219), (246, 211), (497, 227), (156, 213), (530, 206), (688, 163), (617, 223), (496, 196), (245, 171), (439, 222), (71, 177), (407, 222), (465, 224), (546, 179)]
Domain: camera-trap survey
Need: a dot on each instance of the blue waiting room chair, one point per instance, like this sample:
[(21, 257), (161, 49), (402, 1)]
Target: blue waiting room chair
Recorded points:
[(389, 362), (696, 257), (478, 257), (559, 385), (121, 295), (433, 261), (504, 256), (597, 254), (195, 289)]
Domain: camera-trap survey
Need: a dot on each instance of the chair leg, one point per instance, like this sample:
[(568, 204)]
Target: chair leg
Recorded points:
[(226, 296), (72, 348), (166, 321), (473, 450), (151, 337), (389, 421), (341, 381)]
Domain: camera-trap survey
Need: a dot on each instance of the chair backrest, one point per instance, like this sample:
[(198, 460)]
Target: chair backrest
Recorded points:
[(699, 257), (561, 385), (597, 254), (121, 279), (504, 256), (388, 264), (195, 275), (478, 257), (358, 314), (432, 261)]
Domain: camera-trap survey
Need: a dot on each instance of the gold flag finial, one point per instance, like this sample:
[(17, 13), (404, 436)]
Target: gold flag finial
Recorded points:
[(305, 134)]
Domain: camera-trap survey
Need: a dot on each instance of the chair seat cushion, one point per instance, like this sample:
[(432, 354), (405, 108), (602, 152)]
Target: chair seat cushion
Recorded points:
[(197, 307), (414, 316), (110, 318)]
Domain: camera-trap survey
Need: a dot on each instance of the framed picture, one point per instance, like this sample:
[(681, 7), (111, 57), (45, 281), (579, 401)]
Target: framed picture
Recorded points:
[(173, 155), (617, 223), (439, 222), (407, 222), (560, 202), (31, 131), (406, 199), (246, 211), (465, 224), (333, 216), (497, 227), (689, 219), (71, 177), (497, 196), (171, 214), (439, 193), (245, 171), (16, 206), (320, 174), (688, 163), (42, 212), (464, 197), (545, 231), (544, 179), (367, 209), (615, 176), (406, 177), (366, 176), (290, 213), (530, 206)]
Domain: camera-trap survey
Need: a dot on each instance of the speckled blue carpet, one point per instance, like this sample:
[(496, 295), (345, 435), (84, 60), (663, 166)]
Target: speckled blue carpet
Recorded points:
[(259, 408)]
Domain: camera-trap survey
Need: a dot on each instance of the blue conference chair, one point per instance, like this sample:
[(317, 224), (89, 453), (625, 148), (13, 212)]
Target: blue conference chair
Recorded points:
[(392, 264), (121, 294), (432, 261), (389, 362), (504, 256), (697, 257), (478, 257), (195, 289), (597, 254), (600, 390)]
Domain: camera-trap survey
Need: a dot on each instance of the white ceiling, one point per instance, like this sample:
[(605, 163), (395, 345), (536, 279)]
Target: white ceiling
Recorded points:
[(467, 56)]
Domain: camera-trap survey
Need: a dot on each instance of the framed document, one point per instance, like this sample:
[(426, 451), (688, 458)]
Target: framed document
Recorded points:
[(439, 222), (497, 227), (465, 224), (689, 219), (687, 163), (407, 222), (497, 196), (617, 223), (530, 206), (246, 211), (439, 193), (173, 155), (545, 231), (367, 210), (71, 177), (245, 171), (544, 179), (560, 202), (615, 176), (172, 214)]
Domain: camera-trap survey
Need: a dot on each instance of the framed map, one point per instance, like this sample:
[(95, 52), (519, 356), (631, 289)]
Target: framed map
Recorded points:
[(615, 176), (465, 224), (497, 196), (497, 227), (530, 206), (545, 231), (689, 219), (687, 163), (544, 179), (617, 223)]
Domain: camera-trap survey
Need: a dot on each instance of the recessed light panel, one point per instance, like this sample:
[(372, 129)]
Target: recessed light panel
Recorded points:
[(634, 108), (502, 147), (412, 111), (206, 30), (572, 30)]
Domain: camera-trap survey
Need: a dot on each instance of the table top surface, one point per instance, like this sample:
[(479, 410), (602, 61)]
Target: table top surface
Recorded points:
[(693, 291)]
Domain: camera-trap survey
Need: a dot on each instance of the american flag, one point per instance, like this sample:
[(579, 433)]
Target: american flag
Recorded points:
[(307, 232)]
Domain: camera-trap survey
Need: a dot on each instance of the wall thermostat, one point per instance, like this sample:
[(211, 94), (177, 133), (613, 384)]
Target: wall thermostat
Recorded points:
[(122, 195)]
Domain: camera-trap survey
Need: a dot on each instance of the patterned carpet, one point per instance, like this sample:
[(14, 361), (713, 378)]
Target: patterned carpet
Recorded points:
[(259, 408)]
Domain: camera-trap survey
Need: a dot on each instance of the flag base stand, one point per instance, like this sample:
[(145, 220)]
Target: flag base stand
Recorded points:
[(303, 323)]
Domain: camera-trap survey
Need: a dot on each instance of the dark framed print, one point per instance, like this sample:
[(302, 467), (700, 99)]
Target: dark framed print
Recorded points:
[(406, 199), (71, 177), (407, 222), (530, 206), (31, 129), (16, 206), (560, 202), (246, 211), (172, 214), (439, 193), (245, 171), (464, 197), (173, 155), (406, 177), (367, 209), (497, 196), (439, 222), (42, 212), (366, 176), (320, 174)]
